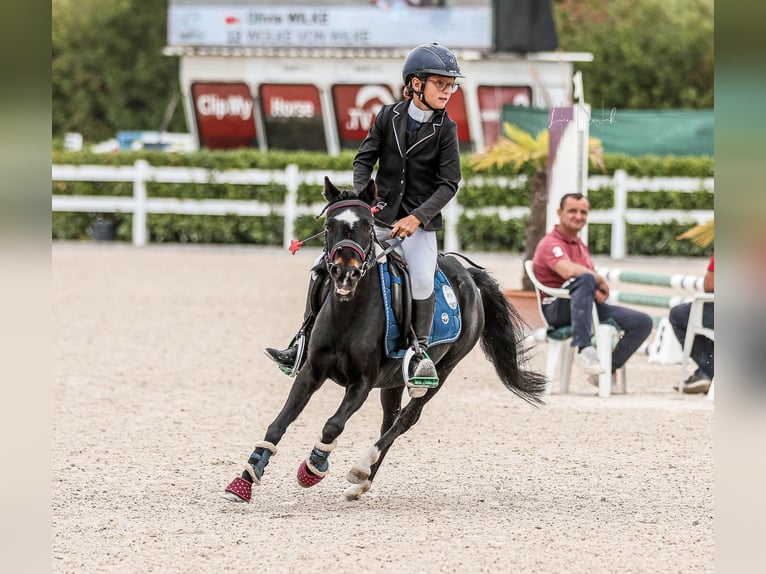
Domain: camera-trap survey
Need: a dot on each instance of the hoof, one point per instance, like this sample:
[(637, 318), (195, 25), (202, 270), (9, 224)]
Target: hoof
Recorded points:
[(305, 478), (239, 490), (355, 491)]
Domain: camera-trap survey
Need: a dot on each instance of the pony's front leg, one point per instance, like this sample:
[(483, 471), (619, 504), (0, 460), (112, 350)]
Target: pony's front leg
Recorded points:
[(316, 466), (240, 489)]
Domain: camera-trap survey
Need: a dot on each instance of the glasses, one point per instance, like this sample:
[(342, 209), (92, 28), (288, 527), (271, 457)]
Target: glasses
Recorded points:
[(442, 85)]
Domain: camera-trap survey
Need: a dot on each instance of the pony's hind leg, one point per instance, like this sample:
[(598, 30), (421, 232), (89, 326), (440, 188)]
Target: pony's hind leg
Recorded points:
[(361, 474)]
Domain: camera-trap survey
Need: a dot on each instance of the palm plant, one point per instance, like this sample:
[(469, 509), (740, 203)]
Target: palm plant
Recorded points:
[(701, 234), (522, 151)]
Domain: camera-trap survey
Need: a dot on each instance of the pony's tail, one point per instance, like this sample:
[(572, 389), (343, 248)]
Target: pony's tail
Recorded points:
[(501, 341)]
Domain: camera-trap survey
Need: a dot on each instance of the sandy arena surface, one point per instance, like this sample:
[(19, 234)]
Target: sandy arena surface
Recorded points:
[(161, 388)]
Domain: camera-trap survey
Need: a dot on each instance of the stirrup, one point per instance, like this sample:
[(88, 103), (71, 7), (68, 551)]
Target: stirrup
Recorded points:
[(300, 342), (418, 384)]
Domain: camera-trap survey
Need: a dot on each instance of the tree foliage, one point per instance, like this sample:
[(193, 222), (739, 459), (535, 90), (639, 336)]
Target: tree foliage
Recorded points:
[(647, 54), (107, 70)]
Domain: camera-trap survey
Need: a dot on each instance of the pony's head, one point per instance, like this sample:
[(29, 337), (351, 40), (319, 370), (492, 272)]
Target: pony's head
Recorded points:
[(349, 248)]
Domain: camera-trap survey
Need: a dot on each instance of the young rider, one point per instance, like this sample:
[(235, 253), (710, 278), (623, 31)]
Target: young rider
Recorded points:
[(415, 145)]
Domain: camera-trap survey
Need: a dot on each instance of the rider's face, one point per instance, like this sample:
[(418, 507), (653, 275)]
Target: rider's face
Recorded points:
[(437, 91)]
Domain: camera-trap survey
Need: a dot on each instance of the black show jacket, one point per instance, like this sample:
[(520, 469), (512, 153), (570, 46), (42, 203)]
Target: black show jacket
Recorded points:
[(422, 177)]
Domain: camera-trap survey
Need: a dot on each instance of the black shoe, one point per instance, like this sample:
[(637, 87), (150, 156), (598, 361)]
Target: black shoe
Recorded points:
[(696, 384), (285, 358)]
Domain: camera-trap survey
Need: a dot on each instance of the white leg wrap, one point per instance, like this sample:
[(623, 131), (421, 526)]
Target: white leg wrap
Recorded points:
[(267, 445), (254, 478), (326, 447), (314, 469), (319, 445)]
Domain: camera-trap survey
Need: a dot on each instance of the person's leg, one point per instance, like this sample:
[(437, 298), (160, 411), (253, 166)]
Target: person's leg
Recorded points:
[(420, 252), (679, 319), (288, 359), (635, 326), (577, 311), (702, 350)]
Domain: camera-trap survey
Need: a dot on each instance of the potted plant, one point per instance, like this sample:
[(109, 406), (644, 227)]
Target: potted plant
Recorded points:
[(523, 152)]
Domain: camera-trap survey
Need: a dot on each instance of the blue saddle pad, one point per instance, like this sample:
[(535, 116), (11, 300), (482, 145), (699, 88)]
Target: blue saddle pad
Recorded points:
[(447, 321)]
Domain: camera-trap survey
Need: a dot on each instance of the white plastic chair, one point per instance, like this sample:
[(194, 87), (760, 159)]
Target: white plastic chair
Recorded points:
[(561, 353), (693, 328)]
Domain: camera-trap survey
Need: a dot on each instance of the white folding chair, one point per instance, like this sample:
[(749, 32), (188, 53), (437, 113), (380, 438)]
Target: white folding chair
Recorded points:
[(561, 353), (693, 328)]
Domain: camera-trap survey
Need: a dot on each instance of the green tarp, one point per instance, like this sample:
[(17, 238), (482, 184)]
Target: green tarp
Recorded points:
[(634, 132)]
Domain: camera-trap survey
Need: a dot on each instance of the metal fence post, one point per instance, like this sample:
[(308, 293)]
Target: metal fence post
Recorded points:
[(619, 227), (292, 177), (139, 202)]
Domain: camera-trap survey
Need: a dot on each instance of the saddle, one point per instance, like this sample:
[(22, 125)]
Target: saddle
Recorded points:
[(397, 302)]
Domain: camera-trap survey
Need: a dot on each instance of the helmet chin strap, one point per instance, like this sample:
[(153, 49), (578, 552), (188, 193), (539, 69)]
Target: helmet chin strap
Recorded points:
[(421, 95)]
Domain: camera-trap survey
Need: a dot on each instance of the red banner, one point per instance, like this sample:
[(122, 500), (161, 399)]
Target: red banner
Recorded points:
[(225, 115), (457, 112), (356, 106)]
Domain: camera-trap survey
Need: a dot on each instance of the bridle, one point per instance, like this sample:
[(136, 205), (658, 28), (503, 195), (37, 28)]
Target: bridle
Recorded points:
[(365, 255)]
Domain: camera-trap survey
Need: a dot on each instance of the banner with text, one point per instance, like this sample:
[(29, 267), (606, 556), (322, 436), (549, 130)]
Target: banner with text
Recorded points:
[(331, 24)]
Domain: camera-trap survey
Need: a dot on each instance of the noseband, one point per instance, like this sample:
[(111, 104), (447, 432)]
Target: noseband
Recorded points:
[(368, 261)]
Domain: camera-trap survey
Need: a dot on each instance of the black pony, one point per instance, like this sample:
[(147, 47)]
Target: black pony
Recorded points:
[(347, 346)]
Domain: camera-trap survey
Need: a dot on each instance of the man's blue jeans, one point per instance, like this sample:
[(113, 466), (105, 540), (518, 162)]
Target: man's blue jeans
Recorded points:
[(578, 312), (702, 350)]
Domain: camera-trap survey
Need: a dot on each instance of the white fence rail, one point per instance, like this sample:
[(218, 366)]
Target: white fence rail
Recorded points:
[(291, 177)]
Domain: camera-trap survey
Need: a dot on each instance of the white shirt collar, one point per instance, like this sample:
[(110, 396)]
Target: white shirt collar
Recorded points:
[(419, 115)]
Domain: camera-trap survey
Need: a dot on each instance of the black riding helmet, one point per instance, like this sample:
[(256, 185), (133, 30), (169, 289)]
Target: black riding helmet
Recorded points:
[(430, 59)]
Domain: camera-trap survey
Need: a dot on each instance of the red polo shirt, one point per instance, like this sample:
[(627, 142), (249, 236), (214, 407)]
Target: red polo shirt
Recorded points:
[(554, 247)]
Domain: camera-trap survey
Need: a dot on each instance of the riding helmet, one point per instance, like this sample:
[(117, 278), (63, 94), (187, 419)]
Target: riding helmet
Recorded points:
[(430, 59)]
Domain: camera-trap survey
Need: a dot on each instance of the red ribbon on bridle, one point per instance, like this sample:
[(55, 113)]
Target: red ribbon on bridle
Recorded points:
[(295, 244)]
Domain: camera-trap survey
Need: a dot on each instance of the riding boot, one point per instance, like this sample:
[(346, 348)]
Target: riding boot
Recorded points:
[(421, 371), (291, 359)]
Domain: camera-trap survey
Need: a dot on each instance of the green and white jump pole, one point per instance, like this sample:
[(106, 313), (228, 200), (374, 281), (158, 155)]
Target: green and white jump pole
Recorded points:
[(693, 283)]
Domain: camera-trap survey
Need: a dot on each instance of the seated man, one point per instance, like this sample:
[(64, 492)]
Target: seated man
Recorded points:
[(563, 260), (702, 350)]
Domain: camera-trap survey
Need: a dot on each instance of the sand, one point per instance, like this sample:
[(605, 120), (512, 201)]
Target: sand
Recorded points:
[(161, 388)]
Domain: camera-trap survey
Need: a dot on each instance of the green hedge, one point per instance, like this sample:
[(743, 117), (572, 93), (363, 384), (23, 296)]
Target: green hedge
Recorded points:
[(480, 233)]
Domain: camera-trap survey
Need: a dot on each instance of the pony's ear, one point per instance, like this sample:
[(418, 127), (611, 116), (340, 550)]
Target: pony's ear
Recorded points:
[(370, 193), (330, 193)]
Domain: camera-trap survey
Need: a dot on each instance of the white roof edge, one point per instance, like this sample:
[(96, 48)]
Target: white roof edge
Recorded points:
[(561, 56), (466, 54)]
